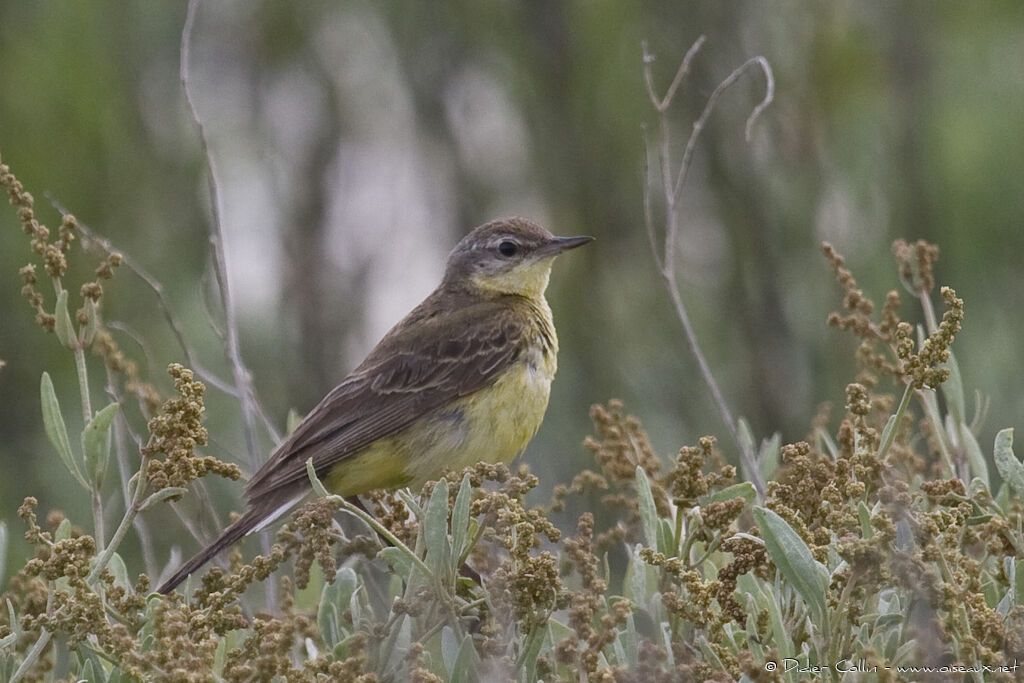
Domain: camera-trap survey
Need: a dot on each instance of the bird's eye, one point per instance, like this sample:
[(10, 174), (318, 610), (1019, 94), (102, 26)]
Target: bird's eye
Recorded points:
[(508, 248)]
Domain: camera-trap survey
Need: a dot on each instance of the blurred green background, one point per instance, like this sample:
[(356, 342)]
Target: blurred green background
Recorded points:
[(356, 142)]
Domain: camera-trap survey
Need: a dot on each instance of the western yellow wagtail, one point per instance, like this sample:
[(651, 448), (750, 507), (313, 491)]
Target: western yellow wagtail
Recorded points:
[(465, 377)]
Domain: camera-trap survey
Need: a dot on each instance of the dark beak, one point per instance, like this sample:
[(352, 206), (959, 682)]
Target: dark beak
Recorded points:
[(560, 244)]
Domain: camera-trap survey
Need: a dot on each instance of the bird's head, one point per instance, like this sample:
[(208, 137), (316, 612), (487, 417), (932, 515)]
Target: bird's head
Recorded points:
[(507, 256)]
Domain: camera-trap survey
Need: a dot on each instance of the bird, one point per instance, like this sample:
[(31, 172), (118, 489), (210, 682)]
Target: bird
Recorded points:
[(465, 377)]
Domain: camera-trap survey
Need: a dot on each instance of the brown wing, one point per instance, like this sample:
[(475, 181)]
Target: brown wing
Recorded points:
[(423, 363)]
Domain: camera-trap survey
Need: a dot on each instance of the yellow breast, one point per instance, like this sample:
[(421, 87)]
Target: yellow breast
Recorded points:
[(493, 424), (496, 423)]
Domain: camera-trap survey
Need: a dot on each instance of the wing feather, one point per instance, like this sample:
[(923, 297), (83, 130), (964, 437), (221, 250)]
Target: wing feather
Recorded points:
[(421, 365)]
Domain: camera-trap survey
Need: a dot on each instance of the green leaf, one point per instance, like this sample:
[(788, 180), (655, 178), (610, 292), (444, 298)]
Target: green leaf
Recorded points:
[(91, 323), (1010, 468), (825, 442), (1018, 581), (666, 537), (62, 326), (120, 571), (399, 646), (435, 528), (56, 431), (630, 640), (333, 602), (449, 649), (318, 487), (96, 443), (12, 620), (397, 558), (648, 510), (634, 585), (766, 600), (864, 515), (975, 458), (460, 519), (710, 656), (467, 663), (793, 558), (531, 648), (953, 390), (744, 490), (63, 531), (747, 444), (890, 425), (768, 456), (86, 673), (169, 493)]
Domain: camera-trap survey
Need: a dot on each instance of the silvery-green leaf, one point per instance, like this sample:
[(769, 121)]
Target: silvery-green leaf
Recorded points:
[(630, 643), (91, 323), (460, 518), (62, 321), (975, 458), (1018, 580), (334, 600), (120, 571), (826, 443), (169, 493), (648, 510), (63, 531), (890, 425), (318, 486), (953, 389), (794, 560), (397, 559), (635, 583), (88, 674), (531, 648), (768, 456), (435, 528), (467, 663), (449, 648), (1010, 468), (53, 423), (744, 490), (864, 515), (96, 443)]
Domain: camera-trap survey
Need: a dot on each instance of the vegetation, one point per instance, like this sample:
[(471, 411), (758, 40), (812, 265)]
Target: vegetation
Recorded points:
[(880, 546)]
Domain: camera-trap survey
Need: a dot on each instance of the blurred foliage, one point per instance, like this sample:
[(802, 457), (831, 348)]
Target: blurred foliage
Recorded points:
[(355, 142)]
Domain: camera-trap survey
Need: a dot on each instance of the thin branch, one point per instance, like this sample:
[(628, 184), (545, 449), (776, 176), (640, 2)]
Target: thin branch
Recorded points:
[(672, 189), (243, 379), (652, 237), (684, 68), (709, 106)]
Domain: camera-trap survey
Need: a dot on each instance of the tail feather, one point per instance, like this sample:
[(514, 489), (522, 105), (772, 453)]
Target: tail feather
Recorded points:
[(229, 536)]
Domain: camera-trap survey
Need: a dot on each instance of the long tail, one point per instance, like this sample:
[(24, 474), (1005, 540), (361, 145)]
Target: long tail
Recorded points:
[(234, 533)]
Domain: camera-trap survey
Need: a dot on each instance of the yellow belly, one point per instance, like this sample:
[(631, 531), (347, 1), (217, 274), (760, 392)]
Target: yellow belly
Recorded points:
[(492, 425)]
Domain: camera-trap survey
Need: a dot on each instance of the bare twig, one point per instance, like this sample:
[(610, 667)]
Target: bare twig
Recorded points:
[(242, 376), (672, 186), (709, 106), (663, 103)]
